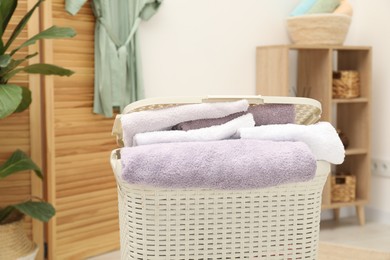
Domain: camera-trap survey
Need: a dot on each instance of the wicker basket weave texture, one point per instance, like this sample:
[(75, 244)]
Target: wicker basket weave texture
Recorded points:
[(274, 223), (346, 84), (322, 29), (343, 188), (14, 242)]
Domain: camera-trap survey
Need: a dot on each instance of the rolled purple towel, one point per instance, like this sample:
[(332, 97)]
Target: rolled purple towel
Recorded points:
[(227, 164), (263, 115)]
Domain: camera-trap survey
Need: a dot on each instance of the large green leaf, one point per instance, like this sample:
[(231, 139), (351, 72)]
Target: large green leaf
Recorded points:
[(47, 69), (12, 65), (10, 98), (40, 68), (7, 9), (53, 32), (21, 25), (5, 59), (26, 100), (40, 210), (8, 75), (4, 213), (19, 161)]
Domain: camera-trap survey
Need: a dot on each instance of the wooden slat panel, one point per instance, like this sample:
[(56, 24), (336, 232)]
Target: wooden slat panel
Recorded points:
[(82, 185), (99, 245), (74, 225), (15, 130), (89, 211)]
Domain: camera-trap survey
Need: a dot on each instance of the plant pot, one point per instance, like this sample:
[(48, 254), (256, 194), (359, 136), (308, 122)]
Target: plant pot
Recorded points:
[(14, 243)]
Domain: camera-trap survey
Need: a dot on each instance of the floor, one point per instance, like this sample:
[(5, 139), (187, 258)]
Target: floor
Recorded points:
[(345, 232), (348, 232)]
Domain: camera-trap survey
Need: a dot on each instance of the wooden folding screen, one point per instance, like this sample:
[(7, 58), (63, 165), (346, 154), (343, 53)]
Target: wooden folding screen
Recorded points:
[(81, 184), (23, 130)]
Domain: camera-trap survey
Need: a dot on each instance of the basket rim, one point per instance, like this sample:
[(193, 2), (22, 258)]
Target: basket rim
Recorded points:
[(185, 100), (252, 99)]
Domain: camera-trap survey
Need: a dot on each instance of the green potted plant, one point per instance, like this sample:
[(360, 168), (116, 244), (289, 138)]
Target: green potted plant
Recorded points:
[(15, 99)]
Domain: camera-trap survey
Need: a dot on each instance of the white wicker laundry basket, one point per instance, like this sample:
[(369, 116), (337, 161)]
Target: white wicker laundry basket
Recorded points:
[(273, 223)]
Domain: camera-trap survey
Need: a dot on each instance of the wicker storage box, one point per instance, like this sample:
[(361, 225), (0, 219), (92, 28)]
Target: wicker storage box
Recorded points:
[(273, 223), (327, 29), (346, 84), (343, 188)]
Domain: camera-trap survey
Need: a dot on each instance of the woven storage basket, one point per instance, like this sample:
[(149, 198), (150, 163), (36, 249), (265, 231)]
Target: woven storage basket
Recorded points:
[(14, 243), (322, 29), (346, 84), (273, 223), (343, 188)]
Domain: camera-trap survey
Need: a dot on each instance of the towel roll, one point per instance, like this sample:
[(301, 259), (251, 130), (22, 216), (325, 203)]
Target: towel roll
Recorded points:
[(322, 138), (344, 8), (324, 6), (262, 114), (213, 133), (163, 119), (303, 7)]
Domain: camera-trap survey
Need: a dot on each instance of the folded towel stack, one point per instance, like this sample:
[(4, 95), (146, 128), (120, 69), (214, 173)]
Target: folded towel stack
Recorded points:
[(227, 164), (278, 153)]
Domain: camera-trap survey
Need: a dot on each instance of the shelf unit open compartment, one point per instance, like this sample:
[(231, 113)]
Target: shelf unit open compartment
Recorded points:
[(355, 165), (307, 71)]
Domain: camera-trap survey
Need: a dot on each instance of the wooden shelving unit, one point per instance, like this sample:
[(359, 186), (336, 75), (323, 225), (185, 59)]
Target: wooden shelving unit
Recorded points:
[(309, 70)]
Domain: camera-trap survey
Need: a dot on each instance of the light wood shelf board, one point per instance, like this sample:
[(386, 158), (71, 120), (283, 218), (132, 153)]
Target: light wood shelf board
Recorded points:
[(335, 205), (352, 100)]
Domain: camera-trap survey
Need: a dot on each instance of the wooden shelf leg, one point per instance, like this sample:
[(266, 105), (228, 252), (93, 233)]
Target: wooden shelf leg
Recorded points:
[(361, 214), (336, 214)]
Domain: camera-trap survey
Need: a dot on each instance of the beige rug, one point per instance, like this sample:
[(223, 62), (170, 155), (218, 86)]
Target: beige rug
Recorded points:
[(329, 251)]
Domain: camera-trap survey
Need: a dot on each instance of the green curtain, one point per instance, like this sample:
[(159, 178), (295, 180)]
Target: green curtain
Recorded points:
[(118, 74)]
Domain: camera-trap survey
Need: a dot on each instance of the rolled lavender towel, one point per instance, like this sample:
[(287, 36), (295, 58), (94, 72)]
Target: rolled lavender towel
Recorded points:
[(213, 133), (263, 115), (227, 164), (321, 138), (162, 119)]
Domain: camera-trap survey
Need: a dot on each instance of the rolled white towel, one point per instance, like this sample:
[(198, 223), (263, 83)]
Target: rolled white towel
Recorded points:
[(162, 119), (213, 133), (321, 138)]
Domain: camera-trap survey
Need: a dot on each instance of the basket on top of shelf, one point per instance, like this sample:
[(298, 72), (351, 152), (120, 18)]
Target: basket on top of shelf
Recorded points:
[(343, 188), (321, 29), (346, 84)]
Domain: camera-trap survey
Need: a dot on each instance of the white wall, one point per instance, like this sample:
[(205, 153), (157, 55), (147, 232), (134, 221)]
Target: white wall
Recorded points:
[(200, 47)]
